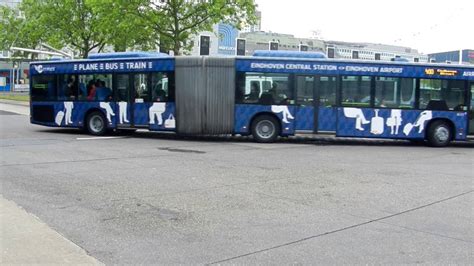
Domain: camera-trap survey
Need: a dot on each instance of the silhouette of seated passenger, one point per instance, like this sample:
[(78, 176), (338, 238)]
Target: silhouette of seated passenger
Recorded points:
[(254, 94), (102, 93), (266, 99)]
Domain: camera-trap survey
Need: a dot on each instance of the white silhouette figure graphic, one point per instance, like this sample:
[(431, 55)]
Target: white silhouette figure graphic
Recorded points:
[(123, 112), (422, 118), (108, 110), (68, 114), (358, 115), (157, 110), (285, 112), (420, 122), (395, 121)]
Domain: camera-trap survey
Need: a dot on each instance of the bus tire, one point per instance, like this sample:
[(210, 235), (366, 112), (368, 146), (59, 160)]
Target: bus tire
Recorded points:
[(265, 129), (439, 134), (96, 123)]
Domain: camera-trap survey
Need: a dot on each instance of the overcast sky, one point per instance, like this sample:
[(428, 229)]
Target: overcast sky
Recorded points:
[(426, 25)]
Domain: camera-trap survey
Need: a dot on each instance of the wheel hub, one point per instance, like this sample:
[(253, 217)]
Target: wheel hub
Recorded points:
[(265, 129), (96, 124), (442, 134)]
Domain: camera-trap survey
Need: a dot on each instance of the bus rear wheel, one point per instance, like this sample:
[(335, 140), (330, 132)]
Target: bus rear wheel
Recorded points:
[(96, 123), (265, 129), (439, 134)]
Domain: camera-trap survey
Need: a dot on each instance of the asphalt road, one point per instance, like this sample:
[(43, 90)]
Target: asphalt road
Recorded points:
[(156, 199)]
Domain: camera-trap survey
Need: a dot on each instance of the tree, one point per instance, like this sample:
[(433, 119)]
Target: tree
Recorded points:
[(124, 29), (81, 25), (62, 22), (176, 21), (18, 31), (73, 23), (9, 23), (86, 25)]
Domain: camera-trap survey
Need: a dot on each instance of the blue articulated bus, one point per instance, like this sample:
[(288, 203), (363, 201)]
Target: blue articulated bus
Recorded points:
[(270, 94)]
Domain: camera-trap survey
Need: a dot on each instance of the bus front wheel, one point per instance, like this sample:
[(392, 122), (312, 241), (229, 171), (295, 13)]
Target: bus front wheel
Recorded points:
[(96, 123), (439, 134), (265, 129)]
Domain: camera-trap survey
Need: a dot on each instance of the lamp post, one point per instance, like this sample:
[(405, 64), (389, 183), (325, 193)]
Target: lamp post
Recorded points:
[(14, 74)]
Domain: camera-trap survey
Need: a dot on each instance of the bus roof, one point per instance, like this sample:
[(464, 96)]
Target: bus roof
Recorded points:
[(288, 54), (323, 66), (128, 55)]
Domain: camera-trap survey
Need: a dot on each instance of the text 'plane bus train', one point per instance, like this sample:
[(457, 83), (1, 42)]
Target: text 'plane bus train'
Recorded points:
[(270, 94)]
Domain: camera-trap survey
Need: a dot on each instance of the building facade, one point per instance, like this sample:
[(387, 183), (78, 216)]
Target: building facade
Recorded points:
[(373, 51), (260, 40), (257, 26), (465, 56), (220, 41)]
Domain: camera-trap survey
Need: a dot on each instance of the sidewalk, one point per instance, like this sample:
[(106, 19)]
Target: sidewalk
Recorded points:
[(24, 239), (15, 106)]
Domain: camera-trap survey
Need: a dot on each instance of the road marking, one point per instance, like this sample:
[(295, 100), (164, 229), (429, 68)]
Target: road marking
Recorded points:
[(98, 138)]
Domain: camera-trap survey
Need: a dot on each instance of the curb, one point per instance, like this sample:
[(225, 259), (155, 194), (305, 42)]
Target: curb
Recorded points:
[(29, 240)]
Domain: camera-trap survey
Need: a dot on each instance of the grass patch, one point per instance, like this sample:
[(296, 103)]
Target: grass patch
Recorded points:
[(16, 97)]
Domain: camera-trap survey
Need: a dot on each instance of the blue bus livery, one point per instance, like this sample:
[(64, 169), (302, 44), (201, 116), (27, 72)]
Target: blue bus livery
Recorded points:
[(267, 95)]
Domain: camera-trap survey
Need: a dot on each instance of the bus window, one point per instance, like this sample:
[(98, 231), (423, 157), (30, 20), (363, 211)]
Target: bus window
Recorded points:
[(95, 87), (304, 90), (263, 88), (266, 85), (327, 91), (141, 88), (160, 87), (103, 87), (407, 93), (437, 94), (68, 87), (394, 92), (454, 94), (43, 88), (386, 90), (122, 88), (86, 87), (429, 90), (356, 91), (471, 110)]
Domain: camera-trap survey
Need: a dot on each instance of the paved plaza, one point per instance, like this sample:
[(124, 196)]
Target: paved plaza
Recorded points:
[(151, 198)]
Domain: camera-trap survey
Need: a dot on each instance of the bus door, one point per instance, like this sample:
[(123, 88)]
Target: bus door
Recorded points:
[(141, 100), (326, 110), (123, 98), (132, 100), (471, 109), (305, 104), (316, 103)]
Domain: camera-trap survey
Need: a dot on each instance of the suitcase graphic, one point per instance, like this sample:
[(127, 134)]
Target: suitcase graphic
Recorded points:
[(376, 124), (170, 122), (59, 118), (407, 129)]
